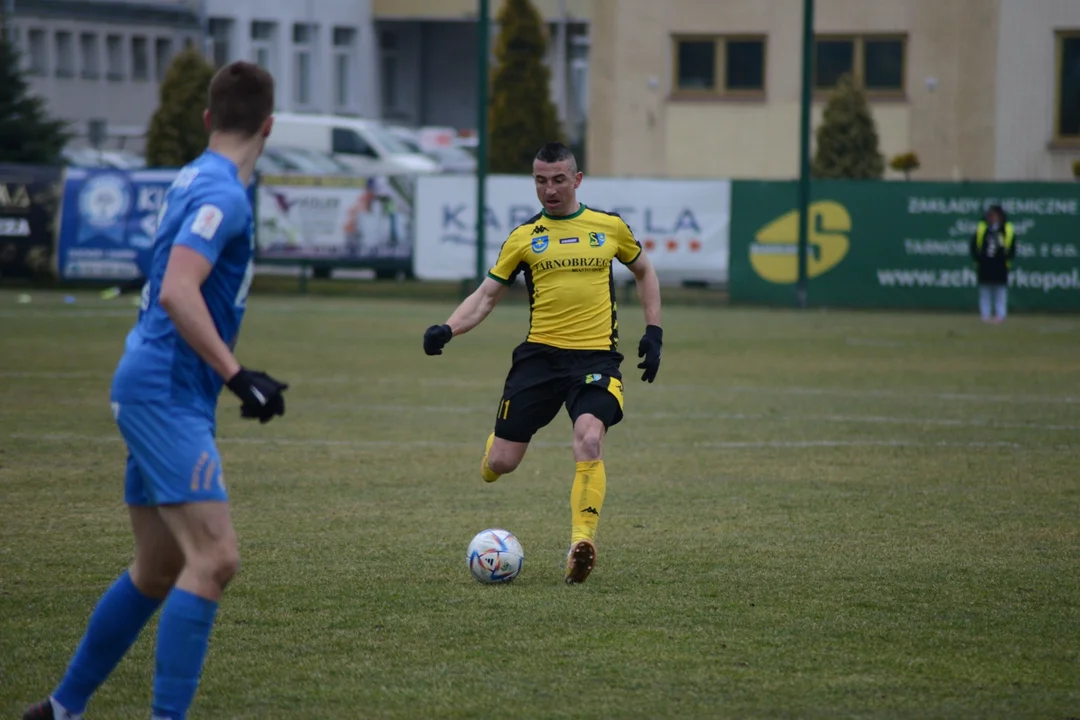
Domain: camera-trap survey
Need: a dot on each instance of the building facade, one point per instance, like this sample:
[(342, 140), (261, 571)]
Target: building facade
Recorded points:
[(104, 59), (978, 89), (101, 60), (322, 53), (428, 60)]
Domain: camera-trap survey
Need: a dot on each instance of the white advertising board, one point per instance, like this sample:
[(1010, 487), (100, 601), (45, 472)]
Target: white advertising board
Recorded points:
[(682, 224)]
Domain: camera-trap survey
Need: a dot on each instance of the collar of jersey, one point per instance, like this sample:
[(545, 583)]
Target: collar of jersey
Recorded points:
[(226, 162), (571, 216)]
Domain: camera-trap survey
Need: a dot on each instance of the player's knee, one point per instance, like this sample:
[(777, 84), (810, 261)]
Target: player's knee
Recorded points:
[(217, 565), (588, 438), (228, 564)]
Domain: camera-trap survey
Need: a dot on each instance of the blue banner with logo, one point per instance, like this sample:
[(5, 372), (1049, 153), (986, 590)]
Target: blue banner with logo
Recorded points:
[(108, 222)]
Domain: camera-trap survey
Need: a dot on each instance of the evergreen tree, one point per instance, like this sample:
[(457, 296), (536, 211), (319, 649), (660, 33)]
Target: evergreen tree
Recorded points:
[(847, 140), (522, 115), (27, 134), (177, 134)]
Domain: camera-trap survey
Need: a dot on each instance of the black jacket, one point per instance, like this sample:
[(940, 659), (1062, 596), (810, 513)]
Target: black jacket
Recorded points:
[(993, 252)]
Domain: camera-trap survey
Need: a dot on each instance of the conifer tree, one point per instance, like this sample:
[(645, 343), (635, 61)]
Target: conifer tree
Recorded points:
[(522, 114), (27, 134), (177, 134), (847, 139)]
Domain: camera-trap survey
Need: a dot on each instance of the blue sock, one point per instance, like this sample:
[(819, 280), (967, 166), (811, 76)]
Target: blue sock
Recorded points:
[(183, 638), (115, 623)]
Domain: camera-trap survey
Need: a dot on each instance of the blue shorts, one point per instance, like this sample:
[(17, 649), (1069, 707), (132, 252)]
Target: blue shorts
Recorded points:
[(172, 457)]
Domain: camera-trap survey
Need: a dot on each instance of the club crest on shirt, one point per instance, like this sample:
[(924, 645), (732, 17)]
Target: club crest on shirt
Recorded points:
[(596, 239), (540, 244)]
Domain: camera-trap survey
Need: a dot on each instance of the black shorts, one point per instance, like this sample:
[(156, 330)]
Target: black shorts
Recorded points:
[(542, 379)]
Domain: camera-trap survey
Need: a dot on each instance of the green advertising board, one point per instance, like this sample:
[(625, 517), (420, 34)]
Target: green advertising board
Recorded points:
[(902, 244)]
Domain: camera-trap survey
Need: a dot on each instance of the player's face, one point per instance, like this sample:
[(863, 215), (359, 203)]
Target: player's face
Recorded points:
[(556, 186)]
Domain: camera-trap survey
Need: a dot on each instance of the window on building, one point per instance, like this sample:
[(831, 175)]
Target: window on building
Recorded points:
[(344, 62), (264, 45), (877, 63), (1068, 87), (388, 51), (744, 64), (89, 56), (37, 52), (220, 31), (723, 66), (65, 54), (114, 57), (140, 58), (304, 64), (163, 53)]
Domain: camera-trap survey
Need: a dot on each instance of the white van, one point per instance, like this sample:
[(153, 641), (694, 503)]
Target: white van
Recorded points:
[(363, 145)]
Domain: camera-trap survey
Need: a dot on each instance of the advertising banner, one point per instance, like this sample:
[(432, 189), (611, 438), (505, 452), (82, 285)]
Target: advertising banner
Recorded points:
[(332, 218), (108, 223), (29, 205), (902, 244), (682, 224)]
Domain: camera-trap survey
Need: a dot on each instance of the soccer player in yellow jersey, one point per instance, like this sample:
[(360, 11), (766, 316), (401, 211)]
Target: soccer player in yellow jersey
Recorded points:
[(570, 356)]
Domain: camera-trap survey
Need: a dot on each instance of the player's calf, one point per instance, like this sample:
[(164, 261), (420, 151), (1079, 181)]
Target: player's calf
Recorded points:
[(501, 457)]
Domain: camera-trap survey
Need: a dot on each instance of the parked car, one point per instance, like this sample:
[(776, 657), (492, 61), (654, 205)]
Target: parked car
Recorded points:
[(365, 146), (85, 157), (301, 160), (438, 144)]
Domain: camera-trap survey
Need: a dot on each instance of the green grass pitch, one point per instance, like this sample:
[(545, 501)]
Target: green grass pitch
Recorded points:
[(809, 515)]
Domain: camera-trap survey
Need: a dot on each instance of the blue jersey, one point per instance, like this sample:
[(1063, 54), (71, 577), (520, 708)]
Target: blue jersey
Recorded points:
[(206, 209)]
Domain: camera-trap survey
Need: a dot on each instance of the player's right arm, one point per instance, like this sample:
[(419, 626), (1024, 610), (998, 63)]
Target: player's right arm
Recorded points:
[(473, 309)]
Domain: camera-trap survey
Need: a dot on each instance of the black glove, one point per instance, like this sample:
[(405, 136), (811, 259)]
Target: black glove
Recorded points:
[(436, 337), (650, 347), (260, 394)]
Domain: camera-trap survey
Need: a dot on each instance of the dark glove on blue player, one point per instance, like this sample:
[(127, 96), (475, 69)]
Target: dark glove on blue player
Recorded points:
[(436, 337), (650, 347), (259, 394)]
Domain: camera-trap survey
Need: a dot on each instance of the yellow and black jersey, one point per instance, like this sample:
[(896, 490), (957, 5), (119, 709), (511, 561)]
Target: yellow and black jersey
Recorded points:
[(567, 265)]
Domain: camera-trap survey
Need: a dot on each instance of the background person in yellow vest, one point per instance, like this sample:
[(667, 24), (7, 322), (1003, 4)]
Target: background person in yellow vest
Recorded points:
[(993, 249)]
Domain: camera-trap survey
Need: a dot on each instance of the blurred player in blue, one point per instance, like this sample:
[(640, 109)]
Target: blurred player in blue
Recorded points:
[(164, 394)]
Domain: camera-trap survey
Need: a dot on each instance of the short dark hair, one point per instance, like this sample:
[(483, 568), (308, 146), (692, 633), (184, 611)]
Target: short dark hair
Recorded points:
[(554, 152), (241, 98)]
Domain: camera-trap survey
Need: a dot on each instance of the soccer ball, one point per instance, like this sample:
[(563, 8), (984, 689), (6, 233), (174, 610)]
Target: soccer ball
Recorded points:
[(495, 556)]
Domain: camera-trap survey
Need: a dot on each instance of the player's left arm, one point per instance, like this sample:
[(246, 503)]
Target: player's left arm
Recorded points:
[(205, 233), (648, 287)]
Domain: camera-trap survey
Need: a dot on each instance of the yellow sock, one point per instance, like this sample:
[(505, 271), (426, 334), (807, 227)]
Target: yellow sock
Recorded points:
[(485, 472), (586, 499)]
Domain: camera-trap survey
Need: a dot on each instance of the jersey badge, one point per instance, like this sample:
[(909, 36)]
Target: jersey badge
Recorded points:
[(207, 221), (540, 244), (596, 239)]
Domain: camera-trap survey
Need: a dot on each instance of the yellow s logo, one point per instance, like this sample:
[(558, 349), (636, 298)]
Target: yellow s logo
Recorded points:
[(774, 254)]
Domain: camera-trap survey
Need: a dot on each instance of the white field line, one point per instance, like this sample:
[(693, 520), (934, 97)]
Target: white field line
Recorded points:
[(416, 444), (359, 379), (719, 416)]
